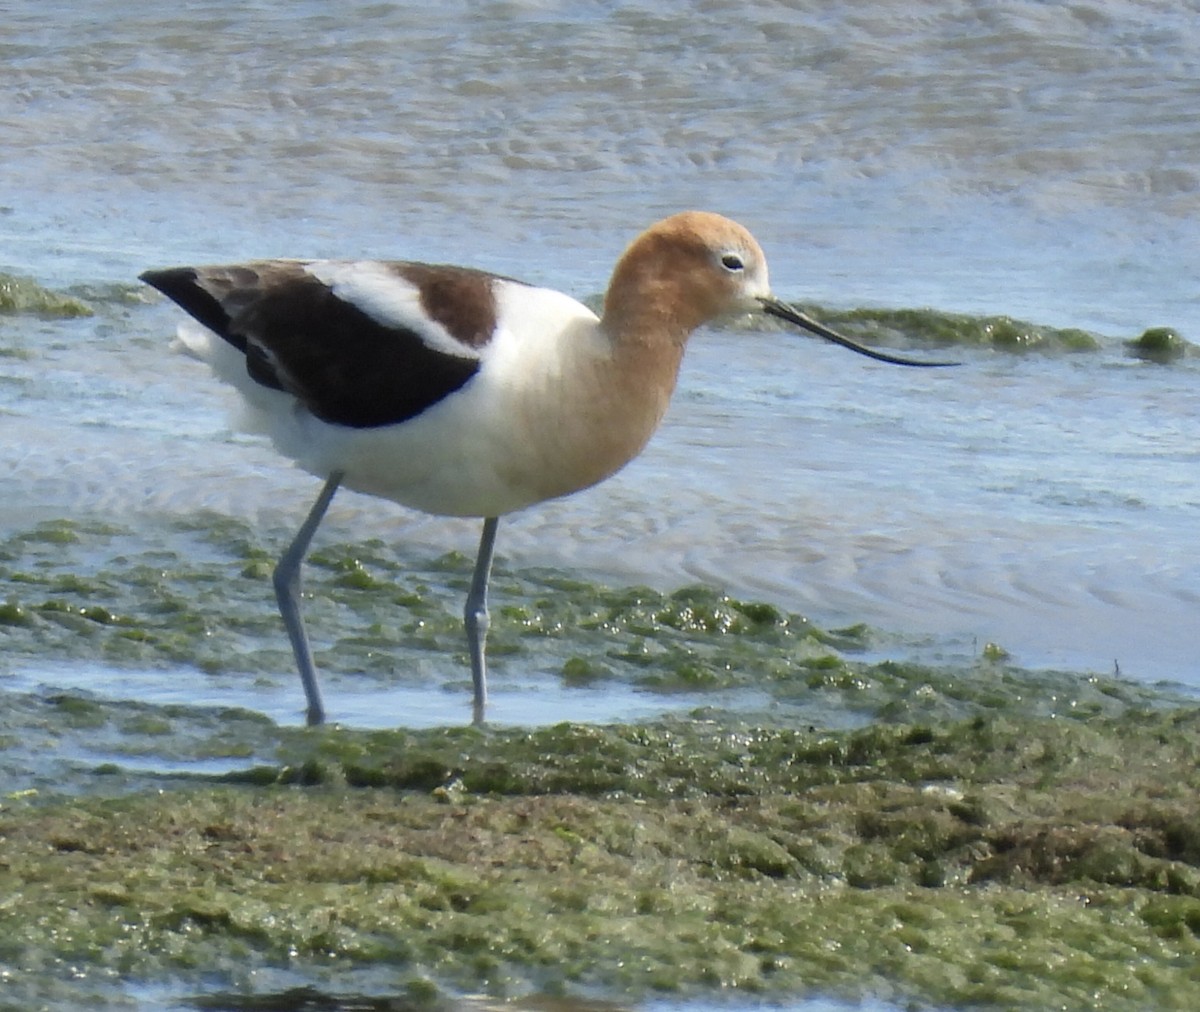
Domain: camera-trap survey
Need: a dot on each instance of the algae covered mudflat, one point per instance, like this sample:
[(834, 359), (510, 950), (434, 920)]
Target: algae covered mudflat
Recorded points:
[(1032, 862), (192, 596), (961, 834)]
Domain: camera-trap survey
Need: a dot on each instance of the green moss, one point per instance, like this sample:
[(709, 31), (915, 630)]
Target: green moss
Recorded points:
[(930, 326), (1173, 916), (1159, 344), (1028, 864), (80, 711), (259, 569), (24, 295), (12, 612), (53, 532), (147, 724), (575, 670)]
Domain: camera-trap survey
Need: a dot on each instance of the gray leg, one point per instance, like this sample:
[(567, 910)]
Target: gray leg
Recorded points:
[(287, 593), (476, 615)]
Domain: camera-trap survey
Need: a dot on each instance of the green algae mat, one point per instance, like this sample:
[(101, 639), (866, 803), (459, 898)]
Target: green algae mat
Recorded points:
[(970, 835), (982, 863)]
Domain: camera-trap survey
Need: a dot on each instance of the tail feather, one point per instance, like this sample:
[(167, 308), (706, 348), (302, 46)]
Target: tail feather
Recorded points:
[(182, 286)]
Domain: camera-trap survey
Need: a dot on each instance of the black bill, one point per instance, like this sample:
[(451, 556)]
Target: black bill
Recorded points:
[(782, 310)]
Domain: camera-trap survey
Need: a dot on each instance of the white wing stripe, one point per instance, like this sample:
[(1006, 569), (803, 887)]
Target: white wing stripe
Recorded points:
[(388, 299)]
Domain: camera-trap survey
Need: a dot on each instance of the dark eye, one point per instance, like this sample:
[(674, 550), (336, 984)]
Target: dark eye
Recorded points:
[(732, 262)]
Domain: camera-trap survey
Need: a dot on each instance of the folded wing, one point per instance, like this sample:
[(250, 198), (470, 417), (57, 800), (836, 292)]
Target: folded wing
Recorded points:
[(358, 343)]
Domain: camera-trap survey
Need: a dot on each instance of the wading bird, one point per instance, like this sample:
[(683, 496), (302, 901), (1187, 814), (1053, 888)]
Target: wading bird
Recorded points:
[(459, 392)]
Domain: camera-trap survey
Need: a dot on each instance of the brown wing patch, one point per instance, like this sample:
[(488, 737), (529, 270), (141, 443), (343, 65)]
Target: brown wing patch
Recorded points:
[(457, 298)]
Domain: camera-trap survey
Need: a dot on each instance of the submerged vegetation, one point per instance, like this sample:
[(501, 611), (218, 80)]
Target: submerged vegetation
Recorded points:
[(937, 328), (1159, 344), (202, 599), (940, 328), (24, 295), (966, 835)]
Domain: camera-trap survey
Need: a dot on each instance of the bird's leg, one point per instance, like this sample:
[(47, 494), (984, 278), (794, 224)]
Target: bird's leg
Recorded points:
[(287, 593), (475, 617)]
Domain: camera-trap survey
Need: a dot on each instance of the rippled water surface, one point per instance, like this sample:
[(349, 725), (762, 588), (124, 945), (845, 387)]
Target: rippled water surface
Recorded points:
[(1024, 159)]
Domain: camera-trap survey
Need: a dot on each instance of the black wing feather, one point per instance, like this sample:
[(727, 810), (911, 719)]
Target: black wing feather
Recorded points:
[(344, 366)]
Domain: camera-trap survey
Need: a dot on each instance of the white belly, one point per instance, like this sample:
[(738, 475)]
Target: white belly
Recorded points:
[(448, 460)]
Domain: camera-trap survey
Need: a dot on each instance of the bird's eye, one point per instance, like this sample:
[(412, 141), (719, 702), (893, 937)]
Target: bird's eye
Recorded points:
[(732, 262)]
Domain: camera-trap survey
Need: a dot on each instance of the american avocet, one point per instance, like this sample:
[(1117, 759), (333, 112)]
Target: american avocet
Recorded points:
[(459, 392)]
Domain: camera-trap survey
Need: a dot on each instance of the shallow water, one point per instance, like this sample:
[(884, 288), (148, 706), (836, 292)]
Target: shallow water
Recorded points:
[(1021, 159), (169, 1000), (513, 700)]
